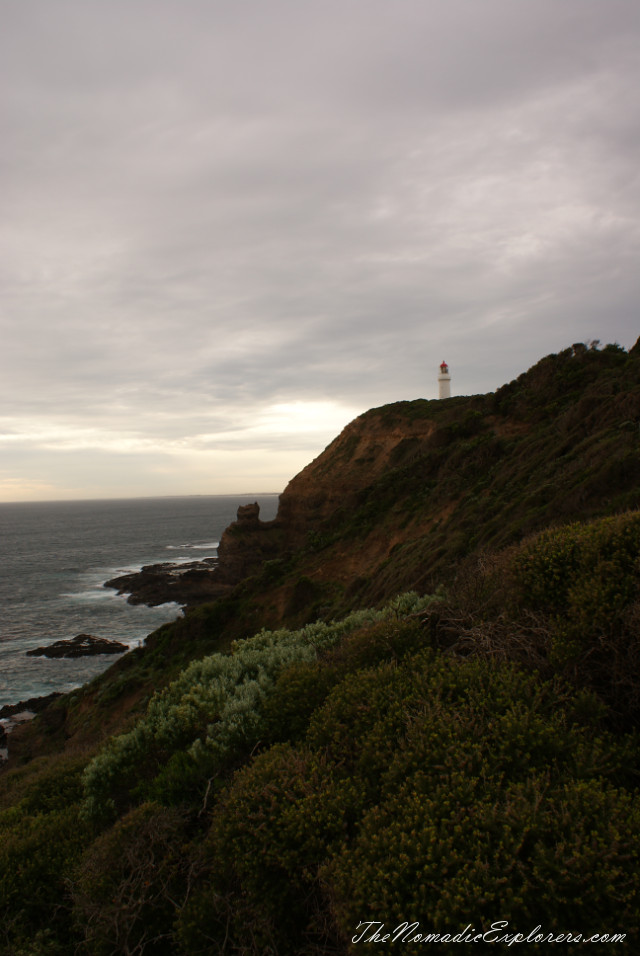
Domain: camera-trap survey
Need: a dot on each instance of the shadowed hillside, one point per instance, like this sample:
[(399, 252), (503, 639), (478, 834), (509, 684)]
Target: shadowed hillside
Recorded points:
[(409, 489), (396, 502), (416, 699)]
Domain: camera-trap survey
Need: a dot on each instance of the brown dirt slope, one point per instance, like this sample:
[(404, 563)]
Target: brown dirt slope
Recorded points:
[(408, 490)]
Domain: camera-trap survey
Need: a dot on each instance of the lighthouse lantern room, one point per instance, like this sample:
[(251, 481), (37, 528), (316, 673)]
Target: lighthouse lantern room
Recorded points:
[(444, 381)]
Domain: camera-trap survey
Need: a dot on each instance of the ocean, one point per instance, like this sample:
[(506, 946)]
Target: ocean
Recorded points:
[(56, 557)]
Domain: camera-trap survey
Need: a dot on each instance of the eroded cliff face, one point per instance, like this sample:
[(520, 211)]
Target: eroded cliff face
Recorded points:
[(367, 448), (310, 546), (316, 499), (407, 490), (246, 544), (327, 489)]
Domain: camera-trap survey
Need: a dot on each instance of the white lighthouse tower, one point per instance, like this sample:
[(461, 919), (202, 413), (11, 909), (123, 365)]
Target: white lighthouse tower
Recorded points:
[(444, 382)]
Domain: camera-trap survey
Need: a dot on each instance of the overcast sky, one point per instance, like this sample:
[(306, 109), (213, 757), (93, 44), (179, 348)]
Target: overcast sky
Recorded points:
[(227, 228)]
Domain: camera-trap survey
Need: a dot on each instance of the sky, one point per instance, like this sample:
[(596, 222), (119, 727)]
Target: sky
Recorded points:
[(228, 228)]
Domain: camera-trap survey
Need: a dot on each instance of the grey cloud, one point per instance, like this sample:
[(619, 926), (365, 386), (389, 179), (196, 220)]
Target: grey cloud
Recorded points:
[(209, 208)]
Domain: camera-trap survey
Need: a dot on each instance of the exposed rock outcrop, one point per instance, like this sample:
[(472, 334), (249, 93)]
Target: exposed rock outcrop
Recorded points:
[(167, 583), (81, 646), (244, 546), (331, 485), (14, 716), (34, 705)]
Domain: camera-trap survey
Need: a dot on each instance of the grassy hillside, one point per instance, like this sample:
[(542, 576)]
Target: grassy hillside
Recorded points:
[(314, 751)]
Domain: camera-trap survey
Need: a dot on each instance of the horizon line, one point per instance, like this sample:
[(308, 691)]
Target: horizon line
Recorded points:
[(57, 501)]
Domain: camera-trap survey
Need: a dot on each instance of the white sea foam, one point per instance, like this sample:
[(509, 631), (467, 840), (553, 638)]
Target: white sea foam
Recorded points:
[(186, 561), (210, 545), (98, 593), (61, 556)]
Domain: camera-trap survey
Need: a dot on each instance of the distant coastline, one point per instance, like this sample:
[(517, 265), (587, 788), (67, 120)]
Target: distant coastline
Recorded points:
[(62, 553)]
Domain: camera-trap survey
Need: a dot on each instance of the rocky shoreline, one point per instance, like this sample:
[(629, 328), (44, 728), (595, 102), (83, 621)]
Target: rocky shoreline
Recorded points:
[(12, 715), (33, 704), (167, 583), (244, 546)]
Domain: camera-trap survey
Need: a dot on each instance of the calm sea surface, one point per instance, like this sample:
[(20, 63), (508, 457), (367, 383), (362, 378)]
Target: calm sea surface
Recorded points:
[(55, 558)]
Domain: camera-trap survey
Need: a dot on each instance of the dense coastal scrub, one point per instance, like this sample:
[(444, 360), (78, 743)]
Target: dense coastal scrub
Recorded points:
[(433, 787), (461, 755), (212, 715), (320, 776)]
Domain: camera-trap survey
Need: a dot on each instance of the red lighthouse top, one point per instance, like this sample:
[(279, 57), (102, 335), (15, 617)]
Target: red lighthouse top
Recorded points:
[(444, 367)]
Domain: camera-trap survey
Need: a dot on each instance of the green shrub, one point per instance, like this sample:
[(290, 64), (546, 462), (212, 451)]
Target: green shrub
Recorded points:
[(426, 789), (585, 579), (37, 854), (587, 572), (532, 852), (297, 692), (131, 882), (303, 687), (44, 784), (490, 805), (40, 841), (213, 712)]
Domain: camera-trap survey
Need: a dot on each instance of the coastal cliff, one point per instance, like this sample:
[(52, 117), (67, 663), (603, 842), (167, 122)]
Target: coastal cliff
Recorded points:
[(416, 693), (408, 490)]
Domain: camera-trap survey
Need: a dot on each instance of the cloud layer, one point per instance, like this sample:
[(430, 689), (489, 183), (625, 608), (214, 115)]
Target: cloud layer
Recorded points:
[(229, 228)]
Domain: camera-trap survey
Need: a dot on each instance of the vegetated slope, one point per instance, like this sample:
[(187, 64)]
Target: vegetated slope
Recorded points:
[(409, 489), (386, 766), (402, 496), (462, 756)]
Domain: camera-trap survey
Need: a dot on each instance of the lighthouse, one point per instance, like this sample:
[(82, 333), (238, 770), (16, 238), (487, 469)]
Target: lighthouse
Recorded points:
[(444, 382)]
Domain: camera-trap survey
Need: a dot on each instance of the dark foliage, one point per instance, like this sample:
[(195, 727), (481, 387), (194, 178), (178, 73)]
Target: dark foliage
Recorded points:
[(474, 761)]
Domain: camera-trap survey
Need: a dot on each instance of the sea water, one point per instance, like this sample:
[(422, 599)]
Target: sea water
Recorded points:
[(55, 558)]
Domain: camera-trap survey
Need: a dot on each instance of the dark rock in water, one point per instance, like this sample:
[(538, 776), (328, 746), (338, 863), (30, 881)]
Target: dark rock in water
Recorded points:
[(80, 646), (190, 583), (13, 716), (33, 704), (244, 547)]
